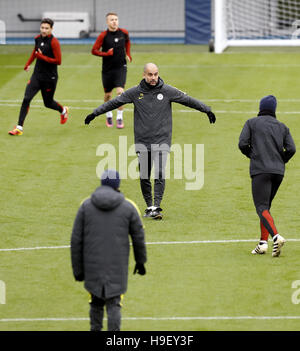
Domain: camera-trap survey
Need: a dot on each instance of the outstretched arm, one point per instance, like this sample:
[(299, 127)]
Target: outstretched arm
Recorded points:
[(186, 100), (118, 101)]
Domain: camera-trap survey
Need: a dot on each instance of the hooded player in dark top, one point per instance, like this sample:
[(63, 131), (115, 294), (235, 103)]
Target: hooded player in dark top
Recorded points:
[(269, 145), (152, 100), (44, 78), (100, 248)]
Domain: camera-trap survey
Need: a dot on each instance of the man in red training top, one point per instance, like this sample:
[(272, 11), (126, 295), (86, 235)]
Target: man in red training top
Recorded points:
[(44, 78), (115, 46)]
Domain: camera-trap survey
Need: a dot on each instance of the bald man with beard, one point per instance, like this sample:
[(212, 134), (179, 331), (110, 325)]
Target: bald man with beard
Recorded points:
[(152, 100)]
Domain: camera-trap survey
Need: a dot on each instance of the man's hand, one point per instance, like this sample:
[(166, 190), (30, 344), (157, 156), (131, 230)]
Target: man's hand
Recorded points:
[(89, 118), (110, 52), (140, 269), (26, 68), (38, 53), (211, 116), (129, 58)]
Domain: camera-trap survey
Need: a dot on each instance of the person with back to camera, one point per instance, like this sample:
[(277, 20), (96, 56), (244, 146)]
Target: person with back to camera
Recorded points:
[(269, 145), (100, 249)]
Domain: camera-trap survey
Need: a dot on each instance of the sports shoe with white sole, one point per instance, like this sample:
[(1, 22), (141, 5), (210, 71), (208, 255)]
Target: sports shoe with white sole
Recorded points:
[(277, 245), (156, 213), (261, 248), (148, 211), (15, 131), (64, 117)]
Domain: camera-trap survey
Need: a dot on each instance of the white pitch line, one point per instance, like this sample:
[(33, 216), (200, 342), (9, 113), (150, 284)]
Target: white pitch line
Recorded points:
[(254, 113), (210, 100), (213, 318), (233, 65), (229, 241), (36, 248), (71, 107), (65, 100), (154, 318), (42, 319)]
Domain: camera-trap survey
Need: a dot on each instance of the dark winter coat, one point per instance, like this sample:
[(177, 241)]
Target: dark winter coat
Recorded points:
[(268, 143), (100, 242)]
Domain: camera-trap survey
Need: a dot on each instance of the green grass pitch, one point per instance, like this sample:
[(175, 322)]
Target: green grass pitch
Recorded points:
[(213, 284)]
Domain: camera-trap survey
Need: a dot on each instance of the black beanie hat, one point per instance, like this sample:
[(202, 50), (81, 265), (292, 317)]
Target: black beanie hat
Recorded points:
[(268, 103), (111, 178)]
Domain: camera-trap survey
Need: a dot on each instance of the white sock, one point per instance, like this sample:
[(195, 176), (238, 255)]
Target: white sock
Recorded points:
[(120, 114), (109, 114), (19, 127)]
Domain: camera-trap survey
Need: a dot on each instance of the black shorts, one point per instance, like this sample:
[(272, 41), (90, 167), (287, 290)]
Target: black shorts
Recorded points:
[(114, 78)]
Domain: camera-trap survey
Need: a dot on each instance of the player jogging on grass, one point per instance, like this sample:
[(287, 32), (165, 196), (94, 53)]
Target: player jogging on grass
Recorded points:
[(44, 78), (269, 145), (152, 100), (113, 45)]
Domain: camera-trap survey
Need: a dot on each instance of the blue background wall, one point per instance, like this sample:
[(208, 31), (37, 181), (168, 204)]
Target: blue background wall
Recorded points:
[(197, 21)]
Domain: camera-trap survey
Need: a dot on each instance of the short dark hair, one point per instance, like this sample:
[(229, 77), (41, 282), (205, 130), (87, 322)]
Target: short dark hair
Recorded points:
[(48, 20), (111, 14)]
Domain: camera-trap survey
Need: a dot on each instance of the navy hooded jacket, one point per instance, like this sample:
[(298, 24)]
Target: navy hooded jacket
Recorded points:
[(266, 141), (100, 242)]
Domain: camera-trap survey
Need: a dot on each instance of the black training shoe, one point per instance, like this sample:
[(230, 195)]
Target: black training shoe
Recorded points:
[(156, 213), (148, 212)]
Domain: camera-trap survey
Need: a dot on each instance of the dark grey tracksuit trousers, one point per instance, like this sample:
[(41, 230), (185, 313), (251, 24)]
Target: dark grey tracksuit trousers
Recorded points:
[(146, 161), (113, 310)]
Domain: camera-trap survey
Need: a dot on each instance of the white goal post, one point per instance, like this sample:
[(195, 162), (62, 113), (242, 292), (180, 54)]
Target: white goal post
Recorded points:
[(2, 32), (256, 23)]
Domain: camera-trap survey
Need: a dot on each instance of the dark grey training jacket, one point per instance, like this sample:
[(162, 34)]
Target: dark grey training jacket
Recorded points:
[(152, 110), (100, 242), (268, 143)]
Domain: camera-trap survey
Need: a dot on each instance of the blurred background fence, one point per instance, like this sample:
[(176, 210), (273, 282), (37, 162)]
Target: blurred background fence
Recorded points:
[(80, 21)]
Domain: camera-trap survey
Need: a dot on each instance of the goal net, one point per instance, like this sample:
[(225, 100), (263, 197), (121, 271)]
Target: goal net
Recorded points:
[(256, 23)]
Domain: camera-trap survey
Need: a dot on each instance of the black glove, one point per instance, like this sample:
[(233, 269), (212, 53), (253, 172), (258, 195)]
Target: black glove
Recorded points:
[(211, 116), (79, 277), (140, 269), (89, 118)]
